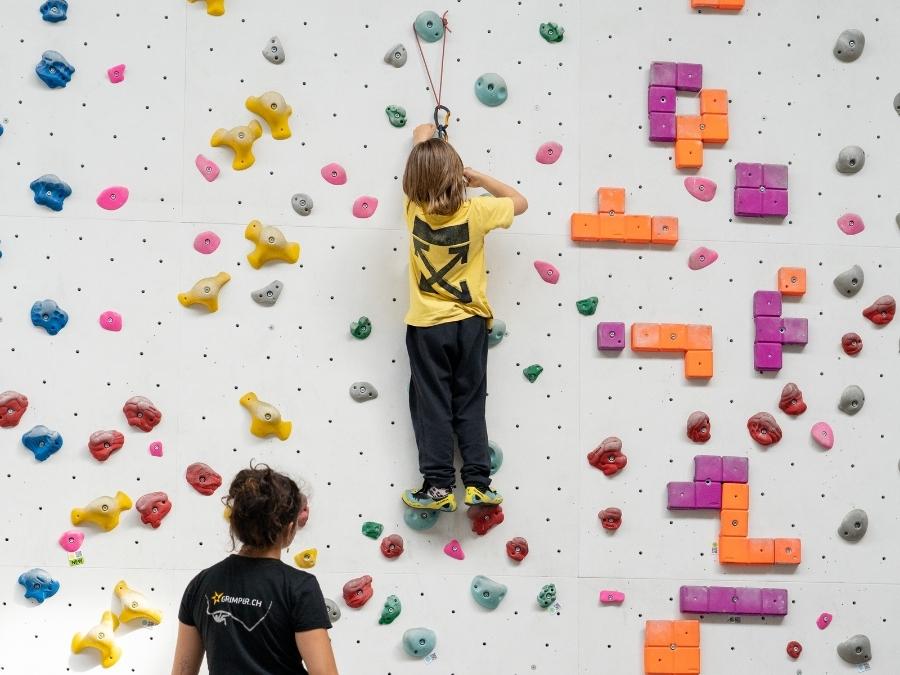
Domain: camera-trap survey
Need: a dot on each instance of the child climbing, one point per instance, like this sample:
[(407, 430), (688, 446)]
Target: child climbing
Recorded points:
[(449, 317), (252, 613)]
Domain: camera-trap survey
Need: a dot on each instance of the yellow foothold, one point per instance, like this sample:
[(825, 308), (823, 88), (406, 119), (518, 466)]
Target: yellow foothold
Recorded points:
[(103, 512), (100, 637), (306, 559), (240, 140), (135, 605), (272, 107), (205, 292), (213, 7), (266, 418), (271, 244)]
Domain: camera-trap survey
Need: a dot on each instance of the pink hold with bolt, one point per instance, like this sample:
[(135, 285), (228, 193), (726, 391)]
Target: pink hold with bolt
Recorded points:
[(364, 206), (113, 198), (549, 152), (547, 271), (334, 174), (611, 597), (71, 540), (156, 448), (454, 549), (824, 620), (207, 168), (700, 188), (116, 74), (702, 257), (206, 242), (851, 223), (111, 320), (823, 435)]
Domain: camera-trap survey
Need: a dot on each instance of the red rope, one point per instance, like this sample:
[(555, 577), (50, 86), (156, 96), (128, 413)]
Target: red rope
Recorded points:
[(436, 92)]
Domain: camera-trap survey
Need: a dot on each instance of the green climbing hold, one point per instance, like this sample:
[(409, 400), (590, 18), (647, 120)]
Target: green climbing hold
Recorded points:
[(552, 32), (532, 372), (396, 115), (361, 329), (420, 519), (587, 306), (547, 596), (419, 642), (372, 530), (429, 26), (491, 90), (487, 592), (496, 457), (390, 611)]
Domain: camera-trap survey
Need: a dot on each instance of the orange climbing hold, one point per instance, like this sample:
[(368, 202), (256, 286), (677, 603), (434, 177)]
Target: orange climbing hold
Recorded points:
[(612, 224), (698, 364), (672, 647), (688, 153), (725, 5), (792, 280), (611, 200)]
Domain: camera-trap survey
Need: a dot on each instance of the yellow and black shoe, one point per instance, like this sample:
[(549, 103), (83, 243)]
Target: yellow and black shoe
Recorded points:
[(482, 495), (431, 498)]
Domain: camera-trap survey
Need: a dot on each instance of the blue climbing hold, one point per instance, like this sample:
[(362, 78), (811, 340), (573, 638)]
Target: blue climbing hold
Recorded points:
[(54, 70), (42, 441), (487, 592), (496, 454), (48, 315), (429, 26), (50, 191), (1, 129), (420, 519), (491, 90), (54, 11), (419, 642), (39, 585)]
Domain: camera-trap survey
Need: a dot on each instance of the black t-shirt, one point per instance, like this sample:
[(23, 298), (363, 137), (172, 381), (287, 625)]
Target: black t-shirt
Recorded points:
[(247, 611)]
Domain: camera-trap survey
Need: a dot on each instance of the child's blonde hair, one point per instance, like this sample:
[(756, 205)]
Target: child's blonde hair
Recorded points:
[(434, 179)]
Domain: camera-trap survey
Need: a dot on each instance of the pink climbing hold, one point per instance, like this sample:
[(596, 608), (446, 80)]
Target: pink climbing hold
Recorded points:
[(702, 257), (700, 188), (364, 206), (454, 550), (547, 271), (116, 74), (71, 540), (851, 223), (334, 174), (824, 620), (207, 168), (611, 597), (823, 435), (111, 320), (549, 152), (113, 198), (206, 242), (156, 448)]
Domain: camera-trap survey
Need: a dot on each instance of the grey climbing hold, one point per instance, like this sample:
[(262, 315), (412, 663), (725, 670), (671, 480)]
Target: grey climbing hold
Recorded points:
[(850, 159), (856, 649), (363, 391), (852, 400), (302, 203), (334, 612), (429, 26), (419, 642), (396, 56), (850, 282), (273, 50), (897, 219), (897, 104), (849, 45), (854, 525), (491, 89), (487, 592), (496, 454), (267, 295), (497, 333)]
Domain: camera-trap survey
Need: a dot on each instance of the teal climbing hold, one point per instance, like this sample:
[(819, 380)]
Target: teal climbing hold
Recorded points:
[(419, 642), (496, 457), (420, 519), (362, 328), (532, 372), (497, 332), (429, 26), (547, 596), (587, 306), (390, 611), (552, 32), (491, 89), (487, 592), (372, 530), (396, 115)]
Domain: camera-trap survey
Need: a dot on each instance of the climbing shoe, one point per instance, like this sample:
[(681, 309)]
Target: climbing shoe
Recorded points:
[(430, 497), (482, 495)]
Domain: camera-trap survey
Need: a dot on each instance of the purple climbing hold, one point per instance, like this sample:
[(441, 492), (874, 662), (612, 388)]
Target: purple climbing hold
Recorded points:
[(611, 336), (662, 127), (703, 189)]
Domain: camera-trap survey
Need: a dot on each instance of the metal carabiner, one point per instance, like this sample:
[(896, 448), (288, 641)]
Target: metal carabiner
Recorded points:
[(442, 128)]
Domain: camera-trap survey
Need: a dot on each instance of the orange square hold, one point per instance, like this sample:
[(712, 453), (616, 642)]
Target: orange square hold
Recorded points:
[(659, 661), (787, 551), (733, 550), (731, 5), (713, 128), (664, 230), (736, 496), (687, 633), (637, 229), (672, 337), (792, 280), (699, 336), (698, 363), (612, 227), (733, 523), (704, 4), (687, 661), (644, 337), (659, 634), (688, 154), (687, 127), (714, 102), (585, 227), (611, 200), (761, 551)]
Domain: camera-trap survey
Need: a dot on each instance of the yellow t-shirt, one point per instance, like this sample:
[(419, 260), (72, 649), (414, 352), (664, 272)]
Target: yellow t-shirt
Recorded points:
[(447, 279)]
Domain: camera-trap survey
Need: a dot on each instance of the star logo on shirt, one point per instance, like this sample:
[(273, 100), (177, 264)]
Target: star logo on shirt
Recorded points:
[(217, 598)]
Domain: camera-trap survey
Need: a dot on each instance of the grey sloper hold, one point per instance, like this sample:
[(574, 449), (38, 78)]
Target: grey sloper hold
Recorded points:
[(850, 159), (856, 649), (334, 612), (267, 295), (854, 525), (850, 281), (849, 45), (897, 104), (852, 400), (363, 391), (396, 56), (302, 203), (273, 51)]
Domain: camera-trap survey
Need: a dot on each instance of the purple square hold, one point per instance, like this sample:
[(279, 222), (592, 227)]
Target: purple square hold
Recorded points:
[(767, 356), (707, 467), (796, 331), (768, 329), (722, 600), (749, 601), (693, 599), (689, 77), (775, 176), (681, 496), (662, 73), (661, 99), (775, 203), (708, 494), (775, 601), (748, 202), (610, 335), (662, 127), (748, 175), (766, 303), (735, 470)]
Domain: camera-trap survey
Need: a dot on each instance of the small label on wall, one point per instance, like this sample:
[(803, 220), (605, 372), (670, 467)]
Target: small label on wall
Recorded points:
[(554, 608), (863, 668), (76, 559), (431, 657), (715, 548)]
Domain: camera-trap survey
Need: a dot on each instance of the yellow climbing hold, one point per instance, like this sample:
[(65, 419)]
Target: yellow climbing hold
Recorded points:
[(205, 292), (306, 559), (240, 140), (135, 605), (100, 637), (272, 107), (213, 7), (266, 418), (103, 512), (271, 244)]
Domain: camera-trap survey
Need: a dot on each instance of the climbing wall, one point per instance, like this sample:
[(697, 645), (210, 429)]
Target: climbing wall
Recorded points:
[(187, 74)]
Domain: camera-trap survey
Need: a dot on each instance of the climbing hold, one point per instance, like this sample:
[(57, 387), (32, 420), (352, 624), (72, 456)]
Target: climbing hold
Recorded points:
[(50, 191), (551, 32), (698, 427), (71, 540), (485, 517), (363, 391), (517, 548), (113, 198), (135, 605), (273, 51), (491, 89), (854, 525), (141, 413), (396, 56), (419, 642), (851, 343), (12, 406), (38, 584), (334, 612), (206, 242), (392, 546), (48, 315), (267, 295), (307, 560), (611, 597), (856, 649), (396, 115), (420, 519), (102, 444), (116, 74), (364, 206), (587, 306), (497, 332), (608, 456), (546, 271), (266, 419), (849, 45), (792, 402), (850, 281), (272, 107), (454, 549), (532, 372), (103, 512), (610, 336), (361, 328), (496, 456), (372, 530), (702, 257), (240, 140), (111, 321), (207, 168), (881, 312), (610, 518), (852, 400), (487, 592), (703, 189), (153, 507), (54, 11), (429, 26), (54, 70), (271, 244), (851, 159), (823, 435), (155, 449), (302, 204), (102, 638), (851, 223), (794, 648), (764, 429), (334, 174), (547, 596), (824, 620), (202, 478), (43, 442), (213, 7), (357, 592), (549, 152), (390, 611)]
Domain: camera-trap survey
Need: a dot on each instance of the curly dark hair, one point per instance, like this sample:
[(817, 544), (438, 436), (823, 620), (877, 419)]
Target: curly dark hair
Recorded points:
[(261, 504)]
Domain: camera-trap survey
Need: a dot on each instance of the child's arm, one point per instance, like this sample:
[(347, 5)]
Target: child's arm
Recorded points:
[(497, 188)]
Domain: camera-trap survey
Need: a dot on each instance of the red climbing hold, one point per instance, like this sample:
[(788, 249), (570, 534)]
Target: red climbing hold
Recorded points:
[(12, 406), (153, 507), (881, 312), (392, 546), (102, 444), (610, 518), (485, 517), (851, 343), (791, 402), (202, 478), (794, 648), (698, 427), (764, 429), (608, 456), (517, 548), (141, 413), (358, 592)]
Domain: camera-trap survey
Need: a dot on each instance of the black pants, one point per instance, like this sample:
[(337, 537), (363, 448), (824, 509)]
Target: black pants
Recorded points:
[(447, 394)]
